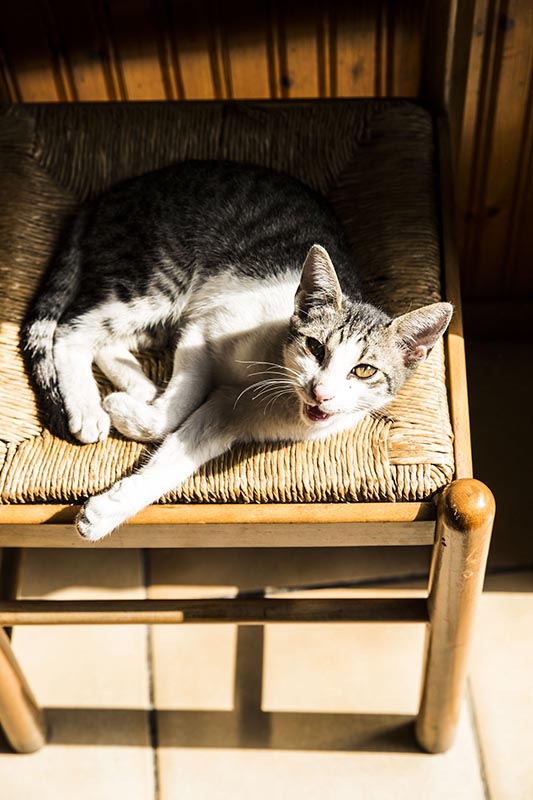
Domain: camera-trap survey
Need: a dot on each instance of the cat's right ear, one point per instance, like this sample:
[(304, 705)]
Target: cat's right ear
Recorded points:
[(319, 284)]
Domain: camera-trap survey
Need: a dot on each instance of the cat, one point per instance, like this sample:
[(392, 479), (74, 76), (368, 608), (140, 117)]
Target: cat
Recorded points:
[(248, 274)]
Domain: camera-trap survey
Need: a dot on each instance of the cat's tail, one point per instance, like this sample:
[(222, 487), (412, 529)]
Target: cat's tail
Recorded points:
[(39, 328)]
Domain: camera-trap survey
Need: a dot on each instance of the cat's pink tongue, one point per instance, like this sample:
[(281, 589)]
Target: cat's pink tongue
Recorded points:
[(315, 414)]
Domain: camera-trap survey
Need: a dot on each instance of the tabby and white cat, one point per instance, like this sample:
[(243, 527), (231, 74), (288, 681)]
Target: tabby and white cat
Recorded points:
[(239, 267)]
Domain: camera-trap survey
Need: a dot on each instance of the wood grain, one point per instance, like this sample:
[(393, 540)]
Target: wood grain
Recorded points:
[(405, 46), (35, 72), (355, 27), (249, 611), (284, 525), (266, 535), (300, 50), (464, 526), (204, 49), (231, 514), (246, 53), (20, 716), (82, 35), (137, 39), (454, 339)]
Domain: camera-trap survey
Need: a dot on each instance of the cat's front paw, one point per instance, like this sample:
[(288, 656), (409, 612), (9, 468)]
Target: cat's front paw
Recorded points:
[(133, 418), (89, 423), (99, 516)]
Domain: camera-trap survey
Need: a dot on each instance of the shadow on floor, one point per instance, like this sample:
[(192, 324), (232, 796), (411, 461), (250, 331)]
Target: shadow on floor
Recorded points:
[(377, 733)]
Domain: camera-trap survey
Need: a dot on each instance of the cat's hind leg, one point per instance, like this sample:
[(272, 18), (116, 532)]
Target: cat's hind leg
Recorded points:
[(124, 371), (73, 359), (187, 388)]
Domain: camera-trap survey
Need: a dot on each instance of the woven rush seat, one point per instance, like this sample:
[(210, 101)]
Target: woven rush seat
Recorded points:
[(373, 159)]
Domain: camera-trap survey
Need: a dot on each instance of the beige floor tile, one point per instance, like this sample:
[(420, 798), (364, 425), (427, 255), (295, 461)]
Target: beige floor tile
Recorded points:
[(502, 685), (194, 666), (364, 668), (306, 711), (248, 568), (331, 724), (369, 773), (92, 682), (62, 772)]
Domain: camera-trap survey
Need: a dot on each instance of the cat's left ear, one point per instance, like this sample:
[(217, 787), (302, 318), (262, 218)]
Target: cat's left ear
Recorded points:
[(418, 331), (319, 284)]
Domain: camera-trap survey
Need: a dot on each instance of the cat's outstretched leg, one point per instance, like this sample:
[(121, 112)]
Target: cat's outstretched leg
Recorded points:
[(207, 433), (186, 390), (73, 357), (125, 372)]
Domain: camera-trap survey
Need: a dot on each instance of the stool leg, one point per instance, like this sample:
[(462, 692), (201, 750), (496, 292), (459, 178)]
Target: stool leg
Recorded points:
[(20, 716), (10, 575), (464, 525)]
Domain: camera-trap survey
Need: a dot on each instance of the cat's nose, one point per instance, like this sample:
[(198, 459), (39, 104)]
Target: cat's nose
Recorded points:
[(321, 393)]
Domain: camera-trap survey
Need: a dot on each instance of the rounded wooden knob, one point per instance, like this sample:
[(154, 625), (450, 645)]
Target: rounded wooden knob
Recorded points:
[(467, 505)]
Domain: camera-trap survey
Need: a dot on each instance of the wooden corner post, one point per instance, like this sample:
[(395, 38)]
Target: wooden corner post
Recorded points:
[(20, 716), (464, 526)]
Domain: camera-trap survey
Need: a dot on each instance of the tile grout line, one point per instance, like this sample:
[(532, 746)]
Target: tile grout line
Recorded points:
[(152, 711), (477, 740)]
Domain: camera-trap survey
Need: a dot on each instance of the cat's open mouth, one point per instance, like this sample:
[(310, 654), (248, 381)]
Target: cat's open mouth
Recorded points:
[(314, 414)]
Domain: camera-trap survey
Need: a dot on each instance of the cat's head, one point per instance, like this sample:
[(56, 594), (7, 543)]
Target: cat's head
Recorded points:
[(349, 358)]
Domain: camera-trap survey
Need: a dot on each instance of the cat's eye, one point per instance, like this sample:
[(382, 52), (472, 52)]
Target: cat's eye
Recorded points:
[(316, 348), (364, 371)]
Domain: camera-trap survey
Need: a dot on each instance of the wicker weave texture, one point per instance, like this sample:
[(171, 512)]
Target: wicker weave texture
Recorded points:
[(373, 159)]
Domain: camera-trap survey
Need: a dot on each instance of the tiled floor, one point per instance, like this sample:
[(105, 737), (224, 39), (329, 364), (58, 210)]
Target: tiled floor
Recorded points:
[(213, 712)]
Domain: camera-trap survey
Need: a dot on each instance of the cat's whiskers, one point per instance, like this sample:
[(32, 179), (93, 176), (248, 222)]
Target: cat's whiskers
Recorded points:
[(273, 399), (269, 364), (269, 389), (260, 387)]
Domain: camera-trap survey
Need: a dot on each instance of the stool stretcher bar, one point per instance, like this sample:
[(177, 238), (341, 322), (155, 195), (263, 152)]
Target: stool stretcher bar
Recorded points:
[(251, 611)]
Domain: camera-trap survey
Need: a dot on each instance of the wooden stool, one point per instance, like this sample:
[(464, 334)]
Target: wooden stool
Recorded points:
[(374, 485)]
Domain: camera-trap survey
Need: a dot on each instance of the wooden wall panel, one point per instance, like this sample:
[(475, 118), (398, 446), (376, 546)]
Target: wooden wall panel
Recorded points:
[(61, 50), (405, 47), (494, 163), (300, 50), (192, 44), (356, 31), (83, 39), (247, 53), (25, 42), (137, 45)]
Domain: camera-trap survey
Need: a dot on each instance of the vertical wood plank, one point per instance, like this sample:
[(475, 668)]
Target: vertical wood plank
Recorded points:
[(405, 41), (274, 54), (60, 60), (191, 41), (468, 137), (326, 44), (518, 273), (5, 96), (504, 164), (299, 34), (355, 33), (476, 168), (9, 92), (169, 66), (502, 116), (137, 39), (383, 48), (27, 51), (84, 46), (244, 36)]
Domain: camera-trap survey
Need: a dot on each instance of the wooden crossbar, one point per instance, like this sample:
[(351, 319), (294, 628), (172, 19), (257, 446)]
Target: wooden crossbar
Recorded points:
[(251, 611)]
